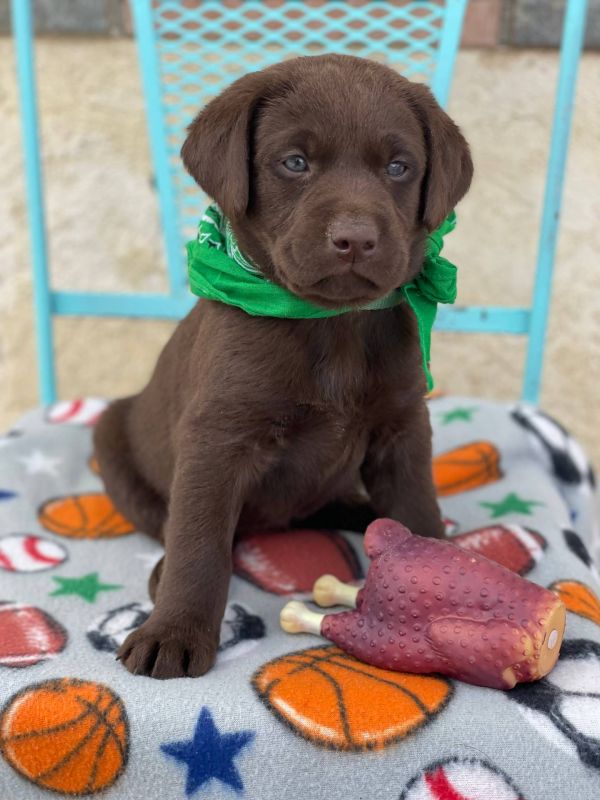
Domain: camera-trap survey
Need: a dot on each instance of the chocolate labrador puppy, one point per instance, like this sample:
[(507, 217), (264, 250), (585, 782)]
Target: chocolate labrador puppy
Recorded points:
[(331, 170)]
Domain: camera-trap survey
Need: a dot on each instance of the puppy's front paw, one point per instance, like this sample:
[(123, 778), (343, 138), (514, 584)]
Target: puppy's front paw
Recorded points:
[(166, 649)]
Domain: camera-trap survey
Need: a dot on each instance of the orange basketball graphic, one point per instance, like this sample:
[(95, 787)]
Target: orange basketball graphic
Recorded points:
[(333, 700), (467, 467), (84, 516), (434, 394), (578, 598), (67, 735)]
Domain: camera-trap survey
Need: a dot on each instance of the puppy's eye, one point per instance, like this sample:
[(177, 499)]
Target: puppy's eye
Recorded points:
[(396, 169), (296, 164)]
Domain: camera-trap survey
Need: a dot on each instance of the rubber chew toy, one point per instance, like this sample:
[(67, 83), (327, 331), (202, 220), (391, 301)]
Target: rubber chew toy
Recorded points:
[(430, 606)]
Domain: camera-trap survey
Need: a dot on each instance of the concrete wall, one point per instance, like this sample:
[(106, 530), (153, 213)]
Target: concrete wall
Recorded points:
[(104, 230)]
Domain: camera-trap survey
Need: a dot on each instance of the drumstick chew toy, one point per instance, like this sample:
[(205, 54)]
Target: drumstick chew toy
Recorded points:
[(430, 606)]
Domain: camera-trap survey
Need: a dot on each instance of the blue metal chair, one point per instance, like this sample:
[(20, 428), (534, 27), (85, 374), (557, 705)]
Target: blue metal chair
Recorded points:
[(190, 51), (345, 732)]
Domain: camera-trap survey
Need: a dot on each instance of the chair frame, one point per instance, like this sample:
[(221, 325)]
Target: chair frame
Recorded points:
[(525, 321)]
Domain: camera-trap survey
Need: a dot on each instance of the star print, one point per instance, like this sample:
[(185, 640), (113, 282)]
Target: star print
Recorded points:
[(38, 463), (88, 586), (512, 502), (462, 414), (209, 754)]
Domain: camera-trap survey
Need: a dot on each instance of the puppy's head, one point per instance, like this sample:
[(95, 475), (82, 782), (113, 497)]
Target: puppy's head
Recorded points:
[(332, 169)]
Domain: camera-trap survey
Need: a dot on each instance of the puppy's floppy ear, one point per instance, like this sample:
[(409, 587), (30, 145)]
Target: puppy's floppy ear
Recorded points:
[(216, 151), (449, 165)]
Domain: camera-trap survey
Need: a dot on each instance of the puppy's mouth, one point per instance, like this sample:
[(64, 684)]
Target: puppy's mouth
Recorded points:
[(334, 291)]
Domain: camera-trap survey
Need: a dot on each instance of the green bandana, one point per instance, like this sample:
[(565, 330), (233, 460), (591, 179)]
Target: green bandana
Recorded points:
[(218, 270)]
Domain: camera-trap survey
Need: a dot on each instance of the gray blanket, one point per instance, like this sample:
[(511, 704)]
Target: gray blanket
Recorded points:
[(282, 716)]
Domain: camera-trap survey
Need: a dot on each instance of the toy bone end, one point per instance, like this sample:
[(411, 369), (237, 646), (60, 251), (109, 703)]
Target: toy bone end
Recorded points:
[(329, 591), (295, 617)]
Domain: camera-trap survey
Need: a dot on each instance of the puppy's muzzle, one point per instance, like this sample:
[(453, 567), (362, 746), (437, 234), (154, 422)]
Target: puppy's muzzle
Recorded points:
[(352, 240)]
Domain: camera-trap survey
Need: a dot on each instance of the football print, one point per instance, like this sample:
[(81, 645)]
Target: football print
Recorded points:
[(289, 562), (28, 635), (516, 548)]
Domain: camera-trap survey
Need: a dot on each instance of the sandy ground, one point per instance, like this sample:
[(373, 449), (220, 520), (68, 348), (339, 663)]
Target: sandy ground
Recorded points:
[(104, 231)]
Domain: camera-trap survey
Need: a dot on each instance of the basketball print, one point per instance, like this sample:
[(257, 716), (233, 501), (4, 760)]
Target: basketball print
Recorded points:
[(467, 467), (578, 598), (67, 735), (289, 562), (84, 411), (333, 700), (25, 552), (28, 635), (461, 779), (84, 516), (516, 548)]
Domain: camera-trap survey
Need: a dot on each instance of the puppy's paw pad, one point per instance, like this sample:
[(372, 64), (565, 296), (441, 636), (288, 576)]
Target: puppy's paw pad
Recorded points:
[(165, 650)]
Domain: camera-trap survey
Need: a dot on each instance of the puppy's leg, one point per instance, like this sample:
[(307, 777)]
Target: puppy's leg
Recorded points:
[(131, 494), (398, 475), (154, 578), (181, 636)]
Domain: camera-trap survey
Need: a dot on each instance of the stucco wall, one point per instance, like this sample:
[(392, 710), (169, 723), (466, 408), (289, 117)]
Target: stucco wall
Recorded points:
[(105, 235)]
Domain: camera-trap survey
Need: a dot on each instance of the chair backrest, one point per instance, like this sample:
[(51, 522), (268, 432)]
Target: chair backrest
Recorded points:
[(190, 49)]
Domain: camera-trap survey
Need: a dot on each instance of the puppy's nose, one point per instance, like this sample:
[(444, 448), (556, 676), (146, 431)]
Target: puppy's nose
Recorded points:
[(353, 241)]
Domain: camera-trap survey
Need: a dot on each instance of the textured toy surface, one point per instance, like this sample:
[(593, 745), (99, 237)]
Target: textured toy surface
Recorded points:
[(430, 606)]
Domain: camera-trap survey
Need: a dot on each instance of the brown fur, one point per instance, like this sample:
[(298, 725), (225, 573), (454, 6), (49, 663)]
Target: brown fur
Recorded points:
[(261, 422)]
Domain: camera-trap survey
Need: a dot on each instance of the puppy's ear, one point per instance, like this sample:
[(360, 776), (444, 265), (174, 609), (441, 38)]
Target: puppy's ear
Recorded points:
[(216, 151), (449, 165)]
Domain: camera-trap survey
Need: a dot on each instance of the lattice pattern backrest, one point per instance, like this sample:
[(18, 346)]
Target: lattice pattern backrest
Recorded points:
[(203, 45)]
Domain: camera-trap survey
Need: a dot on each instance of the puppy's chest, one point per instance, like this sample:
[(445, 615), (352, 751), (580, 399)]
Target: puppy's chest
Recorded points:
[(347, 395), (322, 437), (358, 383)]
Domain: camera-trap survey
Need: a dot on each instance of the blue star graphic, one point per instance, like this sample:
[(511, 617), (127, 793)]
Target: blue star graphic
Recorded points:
[(210, 754)]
